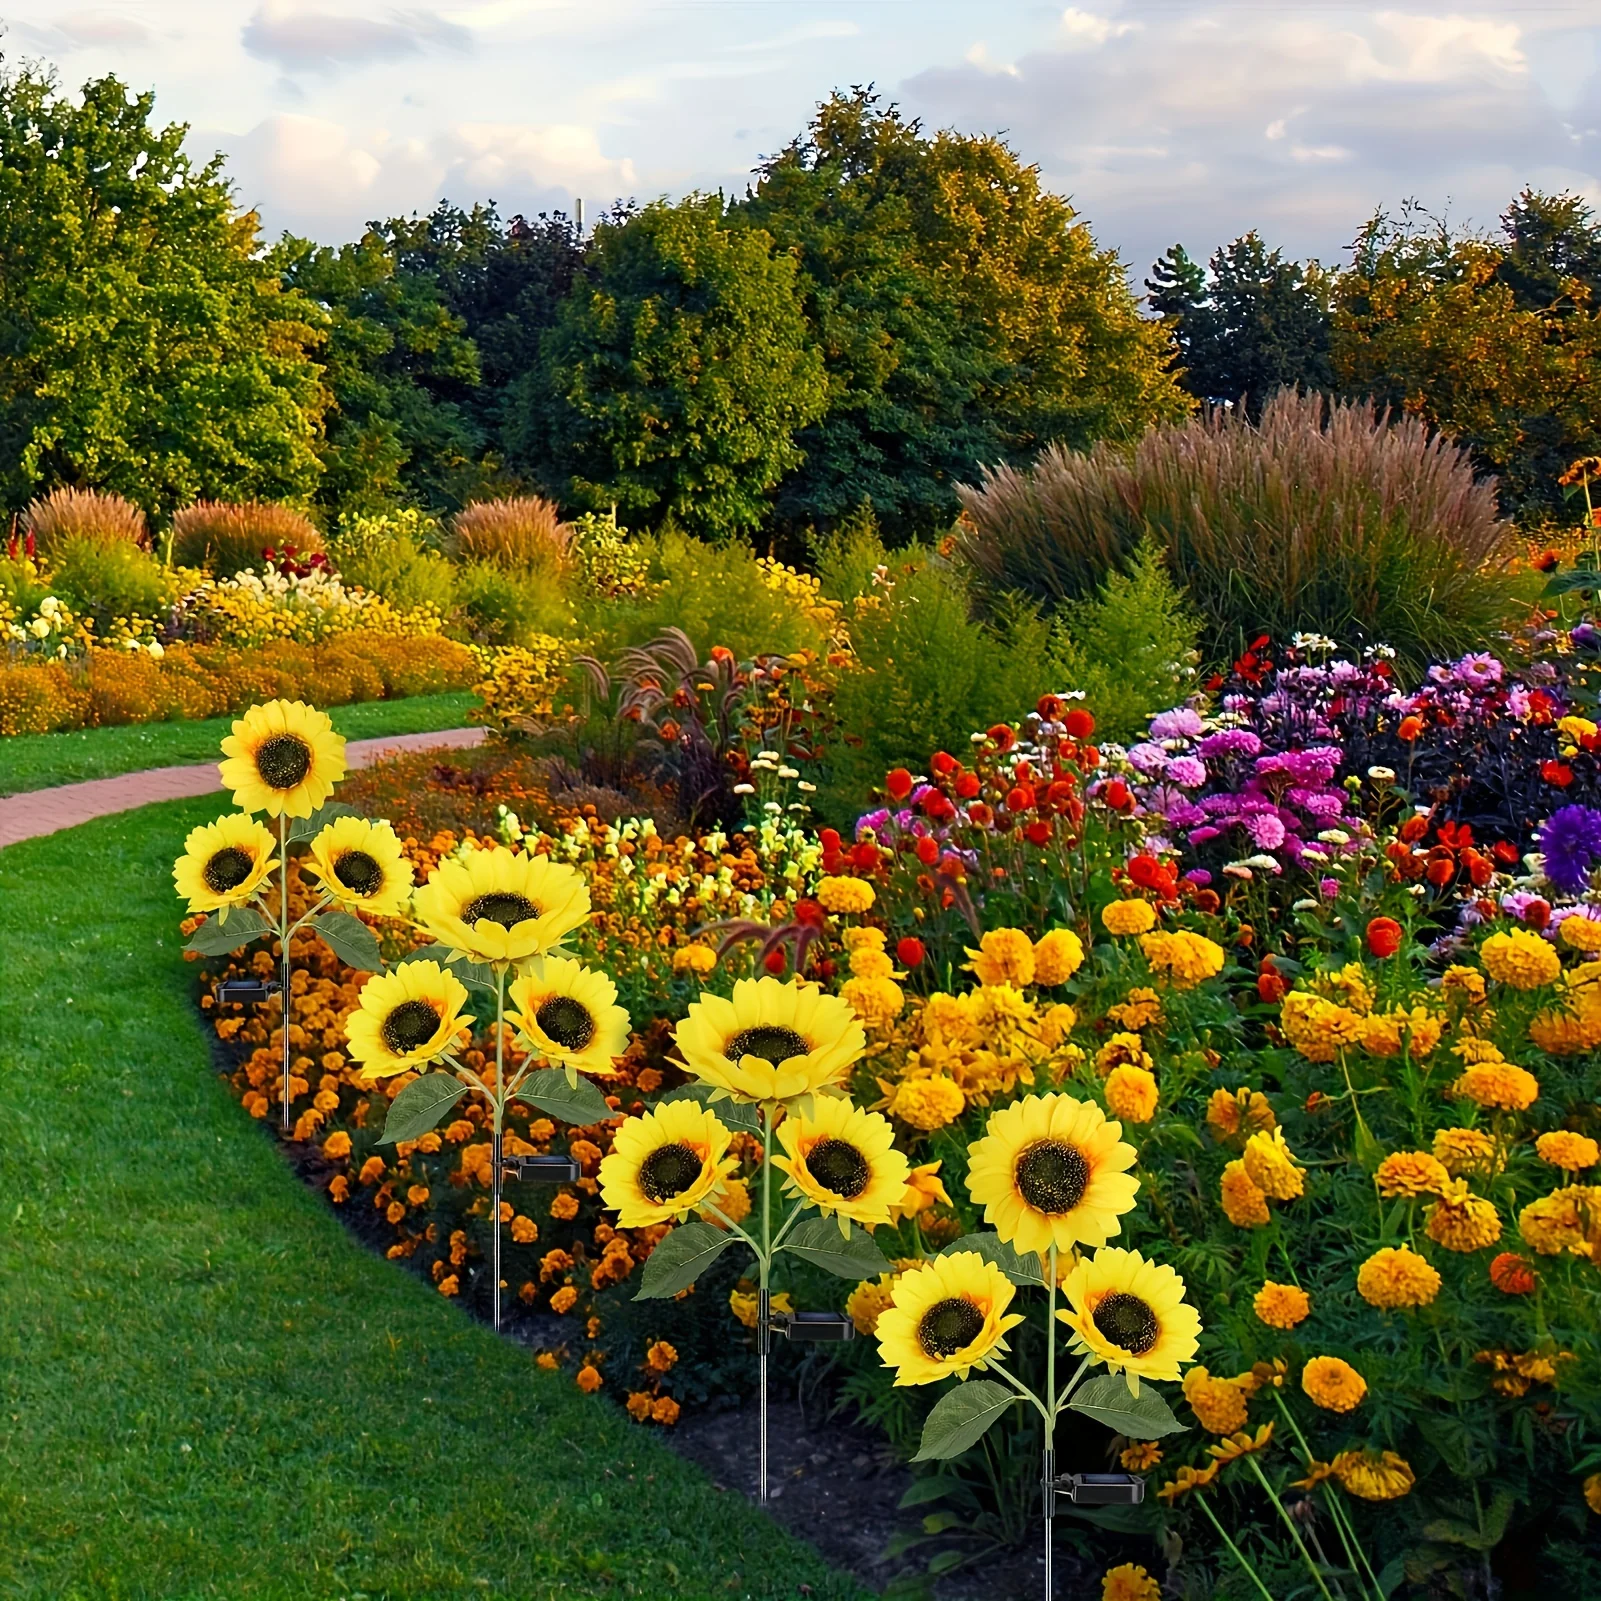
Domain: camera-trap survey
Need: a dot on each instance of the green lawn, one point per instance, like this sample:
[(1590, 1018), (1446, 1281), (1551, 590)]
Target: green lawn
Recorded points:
[(207, 1389), (38, 761)]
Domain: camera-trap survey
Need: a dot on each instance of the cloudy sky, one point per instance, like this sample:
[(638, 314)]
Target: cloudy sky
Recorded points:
[(1164, 120)]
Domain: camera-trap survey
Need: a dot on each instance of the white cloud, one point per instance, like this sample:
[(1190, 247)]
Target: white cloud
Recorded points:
[(1088, 28), (298, 39)]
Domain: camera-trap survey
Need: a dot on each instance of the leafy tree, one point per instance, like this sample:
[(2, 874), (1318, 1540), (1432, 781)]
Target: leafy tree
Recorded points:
[(146, 345), (1248, 323), (964, 313), (678, 373), (1494, 339)]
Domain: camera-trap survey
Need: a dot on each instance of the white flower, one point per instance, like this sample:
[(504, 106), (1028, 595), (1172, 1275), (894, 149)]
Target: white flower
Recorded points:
[(39, 627), (789, 772), (1382, 775), (744, 789), (805, 788), (1307, 905), (1334, 836)]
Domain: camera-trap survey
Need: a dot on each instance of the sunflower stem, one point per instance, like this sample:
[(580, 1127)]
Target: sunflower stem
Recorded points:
[(1051, 1410), (1289, 1523), (283, 949), (1234, 1550), (785, 1226), (733, 1228), (497, 1102), (1021, 1388), (765, 1262)]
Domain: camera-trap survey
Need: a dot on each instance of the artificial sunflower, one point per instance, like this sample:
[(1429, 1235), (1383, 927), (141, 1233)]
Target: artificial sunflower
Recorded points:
[(843, 1160), (664, 1164), (496, 905), (570, 1016), (772, 1041), (1131, 1314), (224, 863), (406, 1018), (283, 758), (948, 1317), (1052, 1170), (362, 866)]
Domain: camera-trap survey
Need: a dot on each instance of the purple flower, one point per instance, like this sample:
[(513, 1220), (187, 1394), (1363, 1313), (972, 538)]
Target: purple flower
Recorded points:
[(1200, 836), (1230, 742), (1266, 831), (1199, 877), (1186, 771), (1147, 758), (872, 822), (1180, 723), (1571, 843), (1480, 670), (1328, 888), (1586, 636)]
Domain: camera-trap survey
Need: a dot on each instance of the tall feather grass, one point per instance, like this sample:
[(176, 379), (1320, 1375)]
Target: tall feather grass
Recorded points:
[(68, 514)]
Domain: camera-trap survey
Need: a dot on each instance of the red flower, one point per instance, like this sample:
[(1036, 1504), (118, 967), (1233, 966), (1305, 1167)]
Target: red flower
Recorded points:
[(1409, 729), (944, 764), (829, 839), (928, 850), (670, 731), (1079, 723), (1414, 828), (1440, 871), (1270, 984), (1558, 773), (776, 960), (967, 786), (1545, 561), (1049, 707), (979, 812), (1505, 852), (1537, 913), (865, 856), (1020, 799), (1149, 873), (1208, 901), (1117, 796), (909, 952), (810, 913), (721, 653), (1037, 832), (1384, 936), (1510, 1274), (898, 784), (1003, 736)]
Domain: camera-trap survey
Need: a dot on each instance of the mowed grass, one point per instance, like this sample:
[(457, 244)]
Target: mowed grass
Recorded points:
[(39, 761), (207, 1389)]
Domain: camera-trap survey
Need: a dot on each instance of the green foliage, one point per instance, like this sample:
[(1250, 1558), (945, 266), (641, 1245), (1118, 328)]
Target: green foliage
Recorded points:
[(500, 606), (1330, 521), (965, 315), (678, 372), (1131, 647), (147, 348), (106, 581), (393, 554), (1247, 324)]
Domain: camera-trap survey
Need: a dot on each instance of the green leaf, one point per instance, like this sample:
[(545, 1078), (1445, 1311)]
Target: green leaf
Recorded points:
[(304, 828), (681, 1258), (350, 940), (421, 1106), (549, 1090), (934, 1487), (1019, 1269), (730, 1113), (817, 1240), (962, 1417), (946, 1560), (217, 939), (479, 974), (1108, 1399)]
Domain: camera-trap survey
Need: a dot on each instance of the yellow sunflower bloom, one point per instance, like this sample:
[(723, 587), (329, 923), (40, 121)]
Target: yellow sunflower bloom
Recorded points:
[(406, 1018), (664, 1164), (1052, 1170), (843, 1161), (498, 906), (772, 1041), (362, 865), (924, 1189), (1131, 1314), (224, 863), (949, 1317), (569, 1015), (283, 758)]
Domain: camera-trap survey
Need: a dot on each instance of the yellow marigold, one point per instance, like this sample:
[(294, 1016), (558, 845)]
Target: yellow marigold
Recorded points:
[(1004, 956), (661, 1356), (1464, 1150), (547, 1360), (925, 1103), (1471, 1048), (1396, 1276), (948, 1019), (564, 1300), (589, 1379), (924, 1189), (524, 1230), (845, 896), (1129, 1582), (1501, 1086), (1140, 1008), (1218, 1403), (732, 1200), (1333, 1384), (450, 1285), (1223, 1113), (665, 1411), (1140, 1457), (1054, 1024), (1058, 955), (1244, 1204), (1581, 933), (1120, 1049), (1374, 1476), (1270, 1166), (1317, 1027), (1467, 983), (857, 940), (871, 962), (1183, 958), (876, 1001), (1520, 958), (1281, 1306), (696, 959), (1131, 1094), (1568, 1220), (1128, 917), (1462, 1221), (867, 1300), (1411, 1173), (638, 1405), (1351, 985), (743, 1304), (1561, 1148), (1386, 1033), (337, 1145)]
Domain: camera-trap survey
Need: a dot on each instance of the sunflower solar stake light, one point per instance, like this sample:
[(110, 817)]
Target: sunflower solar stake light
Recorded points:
[(770, 1062), (1052, 1174)]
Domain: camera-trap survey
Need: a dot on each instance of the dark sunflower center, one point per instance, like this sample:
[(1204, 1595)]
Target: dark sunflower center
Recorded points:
[(502, 907), (669, 1170), (566, 1021), (228, 869), (1052, 1176), (774, 1045), (359, 873), (283, 761), (840, 1167), (1128, 1322), (411, 1024), (948, 1326)]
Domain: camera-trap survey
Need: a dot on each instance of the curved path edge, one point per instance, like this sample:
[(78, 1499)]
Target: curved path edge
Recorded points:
[(44, 811)]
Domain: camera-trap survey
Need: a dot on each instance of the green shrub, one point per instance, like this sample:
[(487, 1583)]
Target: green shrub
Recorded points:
[(229, 537), (66, 514), (107, 580), (498, 606), (394, 554), (1131, 649), (1337, 522)]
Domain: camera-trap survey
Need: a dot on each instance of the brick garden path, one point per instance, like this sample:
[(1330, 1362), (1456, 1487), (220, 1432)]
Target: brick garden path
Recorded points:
[(43, 811)]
